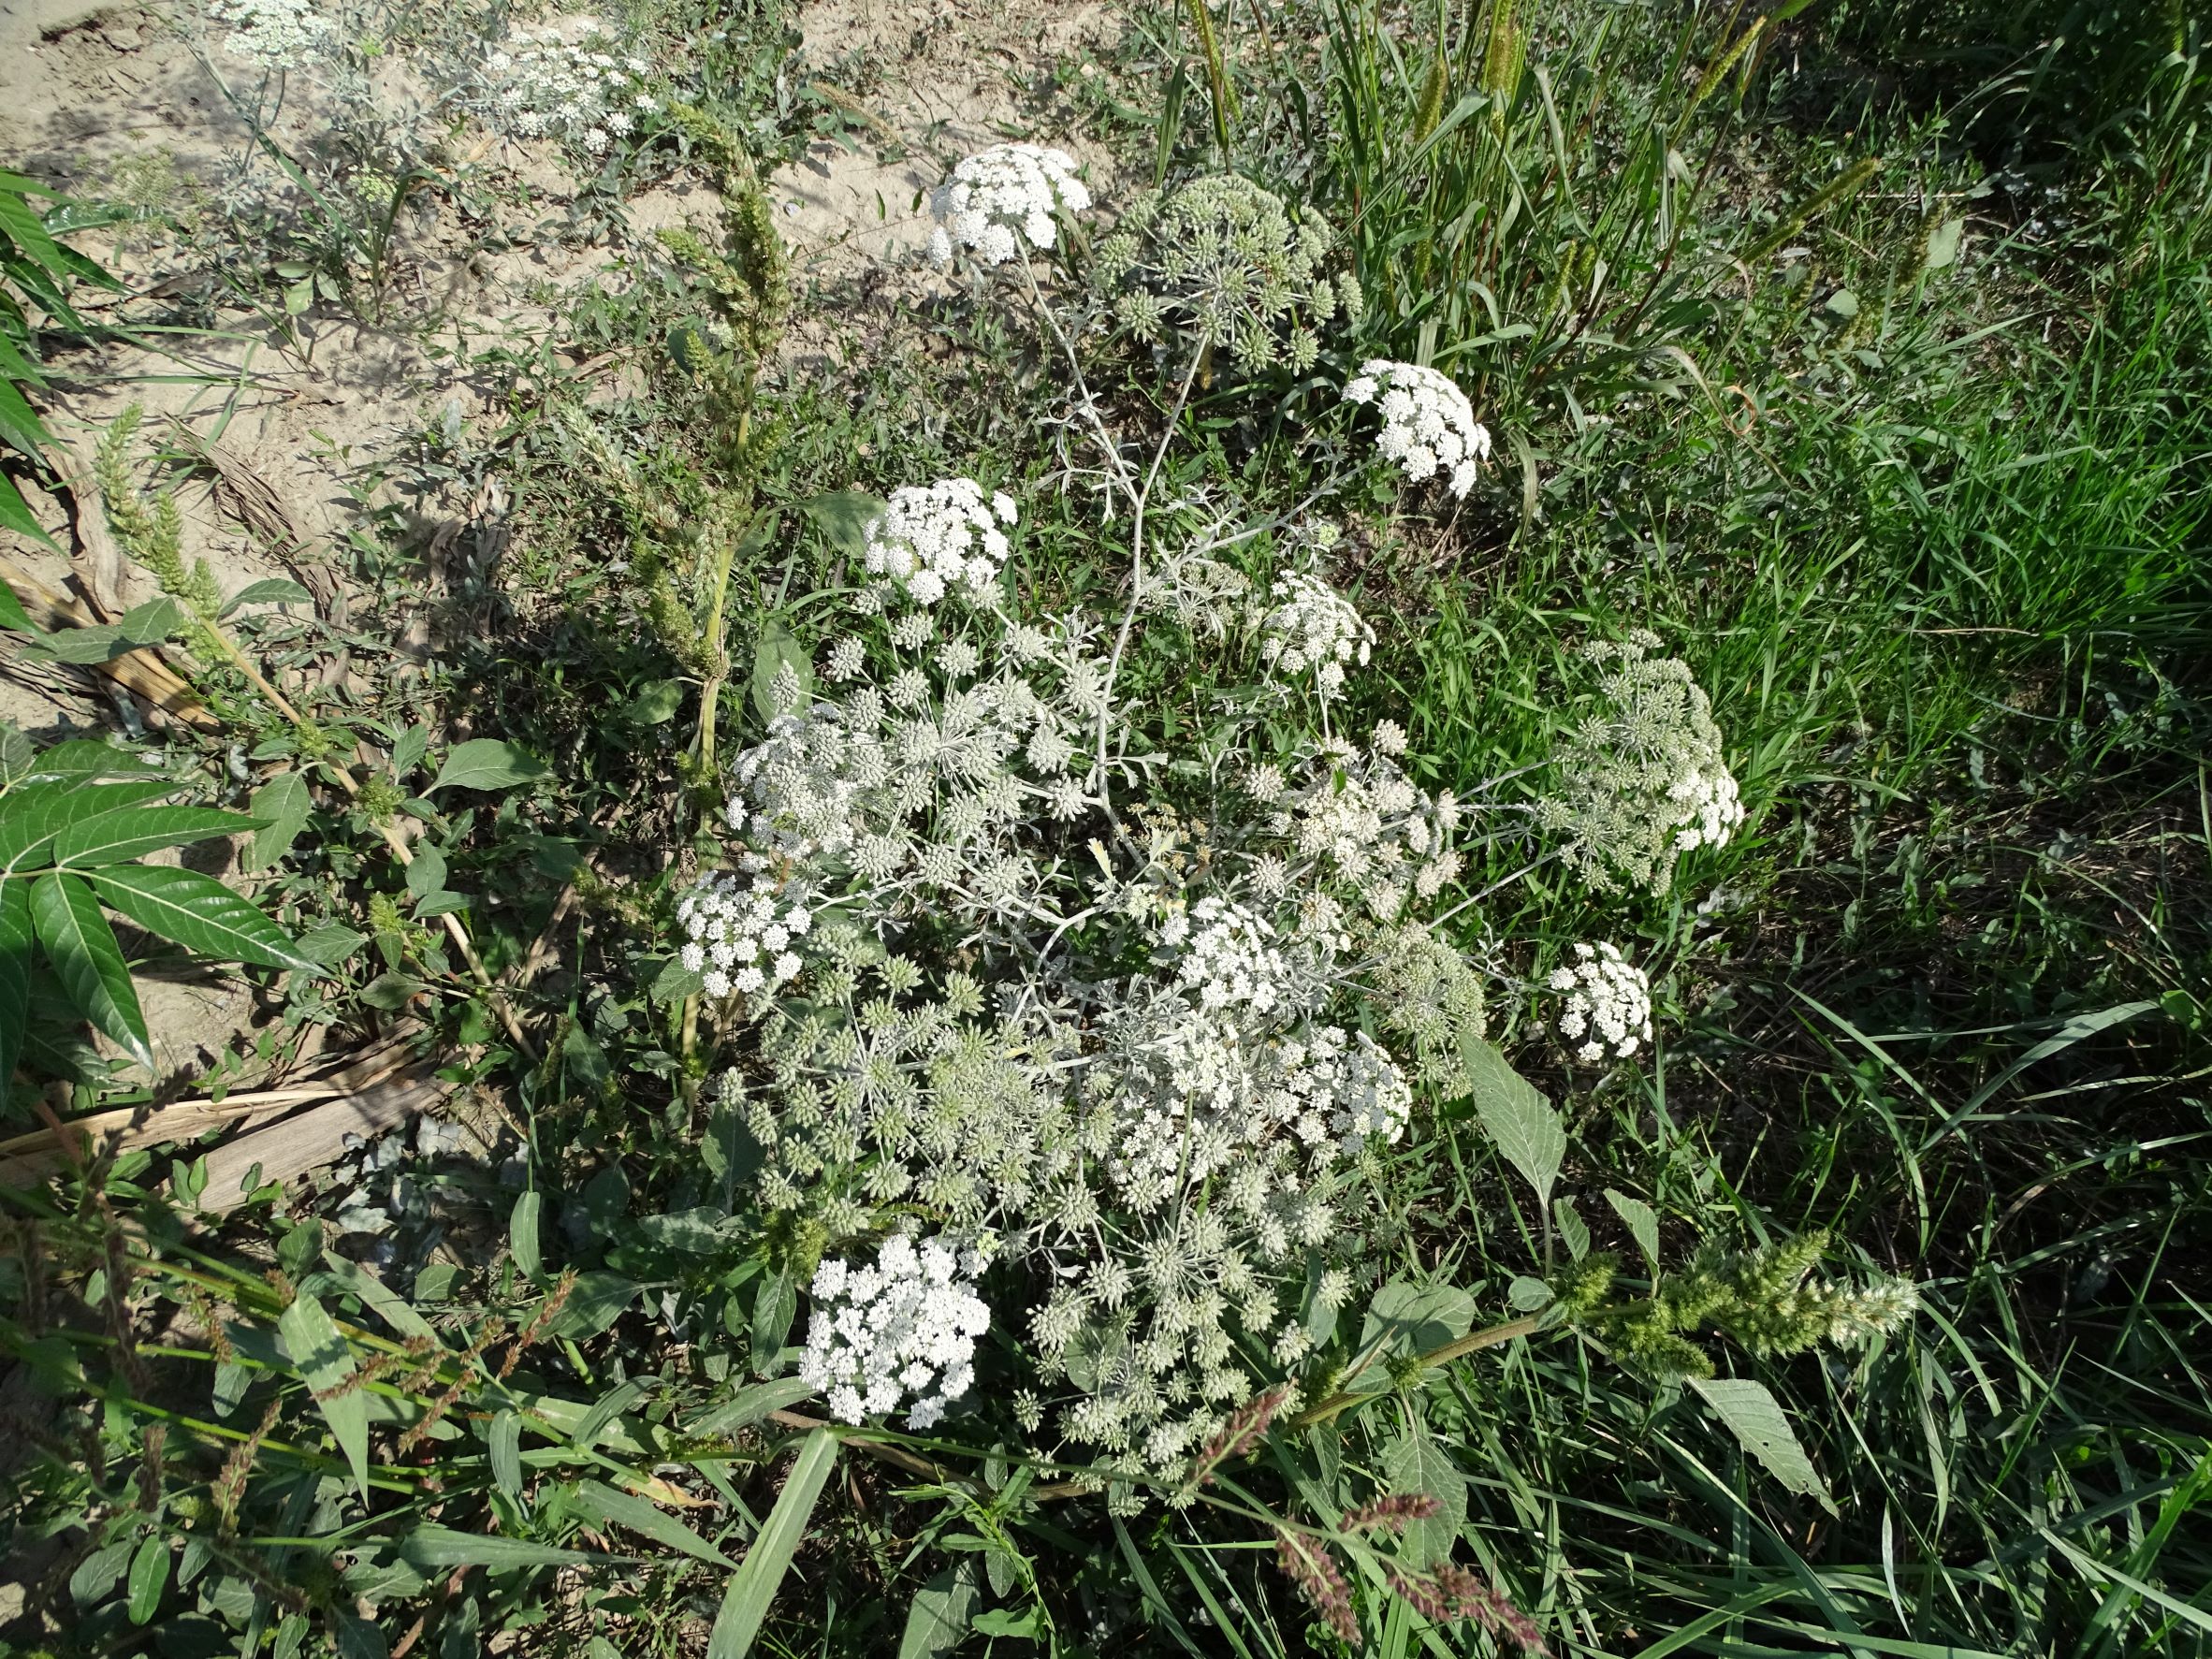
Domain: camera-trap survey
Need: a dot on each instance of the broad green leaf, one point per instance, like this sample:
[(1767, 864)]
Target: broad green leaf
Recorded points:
[(15, 753), (1519, 1120), (149, 1577), (18, 423), (83, 757), (283, 805), (938, 1617), (313, 1344), (150, 623), (1528, 1294), (13, 616), (753, 1585), (1416, 1463), (626, 1509), (446, 1546), (426, 872), (1001, 1622), (778, 648), (16, 515), (1416, 1318), (1944, 245), (269, 590), (606, 1412), (523, 1233), (33, 813), (595, 1301), (489, 764), (775, 1306), (408, 752), (748, 1406), (655, 702), (89, 963), (503, 1441), (1641, 1220), (843, 517), (199, 913), (129, 832), (17, 940), (1756, 1418), (1573, 1231)]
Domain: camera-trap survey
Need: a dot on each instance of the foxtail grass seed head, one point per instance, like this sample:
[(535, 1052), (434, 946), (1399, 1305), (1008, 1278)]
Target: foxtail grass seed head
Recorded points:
[(1429, 427), (1004, 203)]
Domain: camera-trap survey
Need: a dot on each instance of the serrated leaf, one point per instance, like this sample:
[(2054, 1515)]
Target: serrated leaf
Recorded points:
[(1573, 1231), (426, 872), (269, 590), (938, 1617), (17, 940), (1519, 1120), (1756, 1420), (311, 1343), (130, 831), (523, 1233), (80, 945), (1416, 1318), (1641, 1220), (625, 1509), (778, 649), (503, 1441), (487, 763), (843, 517), (753, 1585), (199, 913), (283, 804), (1416, 1463)]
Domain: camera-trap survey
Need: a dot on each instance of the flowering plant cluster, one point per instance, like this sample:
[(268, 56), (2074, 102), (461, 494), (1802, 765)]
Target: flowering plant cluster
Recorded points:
[(1429, 427), (901, 1329), (740, 933), (276, 35), (1311, 628), (942, 538), (566, 81), (1231, 266), (1005, 201), (1607, 1010)]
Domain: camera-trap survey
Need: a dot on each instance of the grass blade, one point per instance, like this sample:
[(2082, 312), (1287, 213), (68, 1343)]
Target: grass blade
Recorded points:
[(754, 1584)]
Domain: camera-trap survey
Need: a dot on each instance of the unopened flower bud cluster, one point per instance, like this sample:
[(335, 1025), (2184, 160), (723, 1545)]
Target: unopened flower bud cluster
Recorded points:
[(1004, 201), (1429, 427), (1607, 1010), (899, 1330), (938, 539)]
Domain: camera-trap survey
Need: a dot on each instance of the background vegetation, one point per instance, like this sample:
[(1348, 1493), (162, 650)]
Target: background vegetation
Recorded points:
[(1862, 351)]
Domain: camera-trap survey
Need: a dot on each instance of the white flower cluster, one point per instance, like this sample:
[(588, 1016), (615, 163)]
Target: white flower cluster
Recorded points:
[(1005, 198), (1228, 958), (940, 538), (1310, 626), (1429, 427), (740, 933), (1609, 1005), (1709, 807), (902, 1328), (563, 81), (274, 34)]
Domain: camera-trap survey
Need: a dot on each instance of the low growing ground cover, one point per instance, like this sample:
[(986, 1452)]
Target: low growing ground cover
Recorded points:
[(1304, 826)]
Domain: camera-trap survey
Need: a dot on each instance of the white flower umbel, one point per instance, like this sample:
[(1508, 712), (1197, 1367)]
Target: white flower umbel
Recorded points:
[(1003, 201), (940, 538), (1608, 1013), (740, 933), (1310, 628), (902, 1328), (274, 34), (1429, 427), (1708, 805), (564, 80)]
